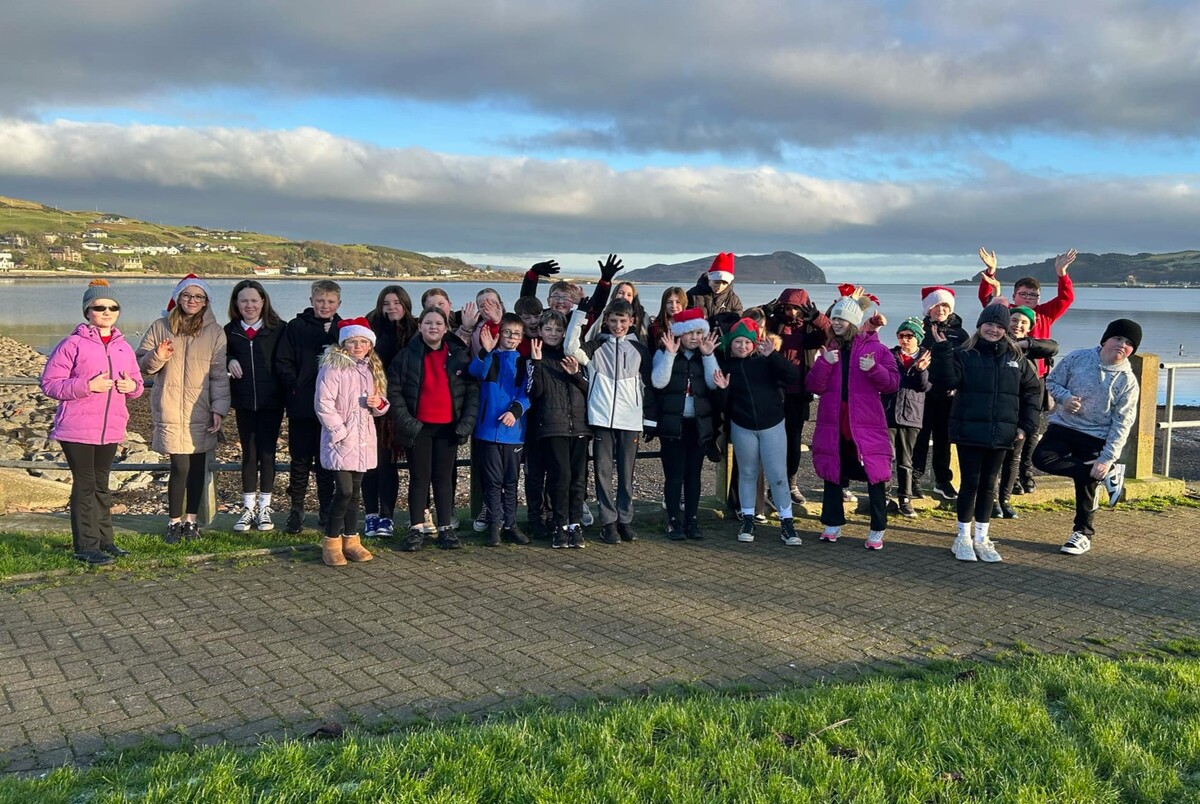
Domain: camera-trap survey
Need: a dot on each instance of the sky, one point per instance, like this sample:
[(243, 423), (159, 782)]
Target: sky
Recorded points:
[(883, 139)]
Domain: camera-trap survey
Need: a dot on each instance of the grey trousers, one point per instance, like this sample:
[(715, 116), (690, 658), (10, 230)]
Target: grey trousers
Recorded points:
[(615, 448), (766, 448)]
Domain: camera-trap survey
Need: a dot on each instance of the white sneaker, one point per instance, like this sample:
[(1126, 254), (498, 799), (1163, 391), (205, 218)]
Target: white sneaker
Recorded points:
[(963, 550), (1114, 483), (986, 551), (830, 535), (587, 519), (245, 521), (263, 522), (874, 540), (1077, 545)]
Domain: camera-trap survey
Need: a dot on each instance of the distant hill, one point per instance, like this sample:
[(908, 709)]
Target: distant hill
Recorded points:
[(43, 238), (782, 267), (1135, 269)]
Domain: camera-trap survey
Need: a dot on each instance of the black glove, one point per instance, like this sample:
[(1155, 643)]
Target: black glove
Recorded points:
[(610, 267), (809, 312), (547, 268)]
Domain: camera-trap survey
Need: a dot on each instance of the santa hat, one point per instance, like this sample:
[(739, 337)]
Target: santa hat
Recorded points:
[(355, 328), (746, 328), (937, 294), (722, 268), (689, 320), (189, 281)]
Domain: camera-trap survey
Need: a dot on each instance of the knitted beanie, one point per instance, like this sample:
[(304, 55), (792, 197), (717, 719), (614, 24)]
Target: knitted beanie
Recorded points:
[(1025, 311), (98, 289), (850, 309), (993, 314), (913, 325), (1125, 328), (746, 328)]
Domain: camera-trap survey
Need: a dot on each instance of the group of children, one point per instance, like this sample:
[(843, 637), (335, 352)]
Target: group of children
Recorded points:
[(576, 385)]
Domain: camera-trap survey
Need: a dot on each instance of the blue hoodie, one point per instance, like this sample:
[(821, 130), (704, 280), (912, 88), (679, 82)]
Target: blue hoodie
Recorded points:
[(503, 388)]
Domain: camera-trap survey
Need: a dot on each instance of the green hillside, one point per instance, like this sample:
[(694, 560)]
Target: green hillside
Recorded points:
[(1175, 268)]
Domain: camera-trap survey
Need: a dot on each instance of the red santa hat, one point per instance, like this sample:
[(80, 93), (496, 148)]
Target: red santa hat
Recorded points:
[(355, 328), (189, 281), (722, 268), (689, 320), (936, 294)]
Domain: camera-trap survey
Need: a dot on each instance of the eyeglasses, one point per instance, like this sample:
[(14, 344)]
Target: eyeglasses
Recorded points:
[(1028, 294), (196, 297), (512, 333), (100, 308), (558, 297)]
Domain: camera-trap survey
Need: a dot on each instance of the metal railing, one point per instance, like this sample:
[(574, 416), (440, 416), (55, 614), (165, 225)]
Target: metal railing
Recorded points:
[(1170, 424)]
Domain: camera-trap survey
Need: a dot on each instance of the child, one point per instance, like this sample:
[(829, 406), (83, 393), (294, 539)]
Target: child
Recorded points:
[(500, 428), (536, 500), (304, 340), (251, 338), (190, 398), (755, 375), (714, 294), (683, 372), (938, 303), (393, 323), (559, 392), (618, 370), (996, 402), (850, 440), (674, 300), (434, 403), (351, 393), (906, 408)]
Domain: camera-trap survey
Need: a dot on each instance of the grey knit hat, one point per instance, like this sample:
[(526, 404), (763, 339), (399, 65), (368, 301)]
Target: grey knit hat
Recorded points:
[(994, 314), (99, 289)]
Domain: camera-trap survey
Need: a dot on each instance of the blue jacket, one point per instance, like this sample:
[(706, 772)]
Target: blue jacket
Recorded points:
[(503, 388)]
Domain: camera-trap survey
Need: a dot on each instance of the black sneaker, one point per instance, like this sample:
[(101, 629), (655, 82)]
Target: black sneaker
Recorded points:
[(608, 534), (693, 531), (1006, 510), (562, 538), (746, 534), (713, 452), (94, 558), (1018, 488), (493, 539), (174, 532), (448, 539), (906, 507), (675, 531), (1029, 484), (917, 493), (626, 531), (575, 537), (414, 541), (295, 522), (114, 551), (946, 490), (787, 532), (515, 535), (190, 531)]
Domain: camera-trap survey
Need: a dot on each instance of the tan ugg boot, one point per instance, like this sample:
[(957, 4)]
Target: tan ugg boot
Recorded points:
[(331, 552), (353, 549)]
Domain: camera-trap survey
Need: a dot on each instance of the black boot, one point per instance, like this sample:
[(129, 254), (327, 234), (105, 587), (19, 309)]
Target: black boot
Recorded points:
[(515, 535), (493, 539)]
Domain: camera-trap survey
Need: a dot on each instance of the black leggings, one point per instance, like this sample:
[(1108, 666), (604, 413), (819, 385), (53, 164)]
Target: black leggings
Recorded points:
[(1070, 453), (431, 460), (343, 512), (682, 462), (980, 467), (381, 485), (258, 432), (187, 477), (91, 499)]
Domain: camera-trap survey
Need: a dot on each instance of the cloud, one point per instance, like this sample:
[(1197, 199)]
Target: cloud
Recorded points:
[(309, 183), (678, 75)]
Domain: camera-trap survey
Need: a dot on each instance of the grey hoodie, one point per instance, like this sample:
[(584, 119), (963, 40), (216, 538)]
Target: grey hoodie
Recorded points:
[(1109, 394)]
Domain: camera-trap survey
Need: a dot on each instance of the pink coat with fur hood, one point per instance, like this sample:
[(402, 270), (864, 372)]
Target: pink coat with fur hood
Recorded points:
[(868, 422), (348, 441)]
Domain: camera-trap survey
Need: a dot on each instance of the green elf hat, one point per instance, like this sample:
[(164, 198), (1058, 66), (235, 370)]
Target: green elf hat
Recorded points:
[(1025, 311), (746, 328), (913, 325)]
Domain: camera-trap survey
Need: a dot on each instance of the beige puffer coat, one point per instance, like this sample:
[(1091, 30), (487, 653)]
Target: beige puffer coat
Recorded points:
[(189, 386)]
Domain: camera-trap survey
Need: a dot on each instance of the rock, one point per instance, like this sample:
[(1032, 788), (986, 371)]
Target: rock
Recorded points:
[(18, 489), (135, 481)]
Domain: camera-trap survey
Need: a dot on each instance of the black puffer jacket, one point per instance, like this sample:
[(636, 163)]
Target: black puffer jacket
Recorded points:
[(997, 392), (754, 398), (404, 390), (906, 407), (669, 400), (559, 399), (956, 336), (259, 388), (390, 338), (304, 340)]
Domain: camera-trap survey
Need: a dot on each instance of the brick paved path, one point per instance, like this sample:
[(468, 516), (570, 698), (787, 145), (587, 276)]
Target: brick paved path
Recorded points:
[(228, 652)]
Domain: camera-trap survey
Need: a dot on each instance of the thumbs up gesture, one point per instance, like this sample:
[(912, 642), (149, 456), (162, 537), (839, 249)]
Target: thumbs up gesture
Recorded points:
[(126, 383), (100, 384)]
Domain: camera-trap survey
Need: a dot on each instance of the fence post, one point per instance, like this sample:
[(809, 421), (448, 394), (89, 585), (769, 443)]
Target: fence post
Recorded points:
[(1139, 449), (208, 500)]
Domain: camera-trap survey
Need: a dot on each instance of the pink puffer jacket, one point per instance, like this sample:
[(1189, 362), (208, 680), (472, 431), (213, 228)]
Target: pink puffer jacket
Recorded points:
[(348, 440), (84, 417), (868, 422)]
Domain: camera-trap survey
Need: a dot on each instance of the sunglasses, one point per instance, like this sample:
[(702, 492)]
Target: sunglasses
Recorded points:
[(100, 308)]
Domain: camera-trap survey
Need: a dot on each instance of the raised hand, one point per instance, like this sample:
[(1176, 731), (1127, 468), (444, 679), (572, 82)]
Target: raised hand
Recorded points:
[(469, 315), (766, 346), (875, 323), (809, 312), (100, 384), (165, 349), (670, 342), (994, 283), (1063, 261), (709, 344), (491, 308), (570, 365), (547, 268), (235, 369), (487, 338), (126, 384), (939, 335), (989, 261), (830, 355), (866, 362), (924, 360), (535, 349), (720, 379), (610, 267)]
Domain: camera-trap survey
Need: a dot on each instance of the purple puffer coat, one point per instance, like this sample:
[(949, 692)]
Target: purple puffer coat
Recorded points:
[(347, 427), (84, 417), (868, 423)]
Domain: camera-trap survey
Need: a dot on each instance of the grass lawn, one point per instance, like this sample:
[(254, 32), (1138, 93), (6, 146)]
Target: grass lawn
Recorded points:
[(1071, 729)]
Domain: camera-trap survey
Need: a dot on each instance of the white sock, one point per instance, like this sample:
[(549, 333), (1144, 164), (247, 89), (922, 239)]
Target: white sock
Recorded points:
[(832, 529), (747, 512), (248, 500), (264, 500), (981, 531), (964, 530)]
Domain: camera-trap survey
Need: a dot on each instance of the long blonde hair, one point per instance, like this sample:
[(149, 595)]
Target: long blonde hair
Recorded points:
[(187, 325), (378, 375)]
